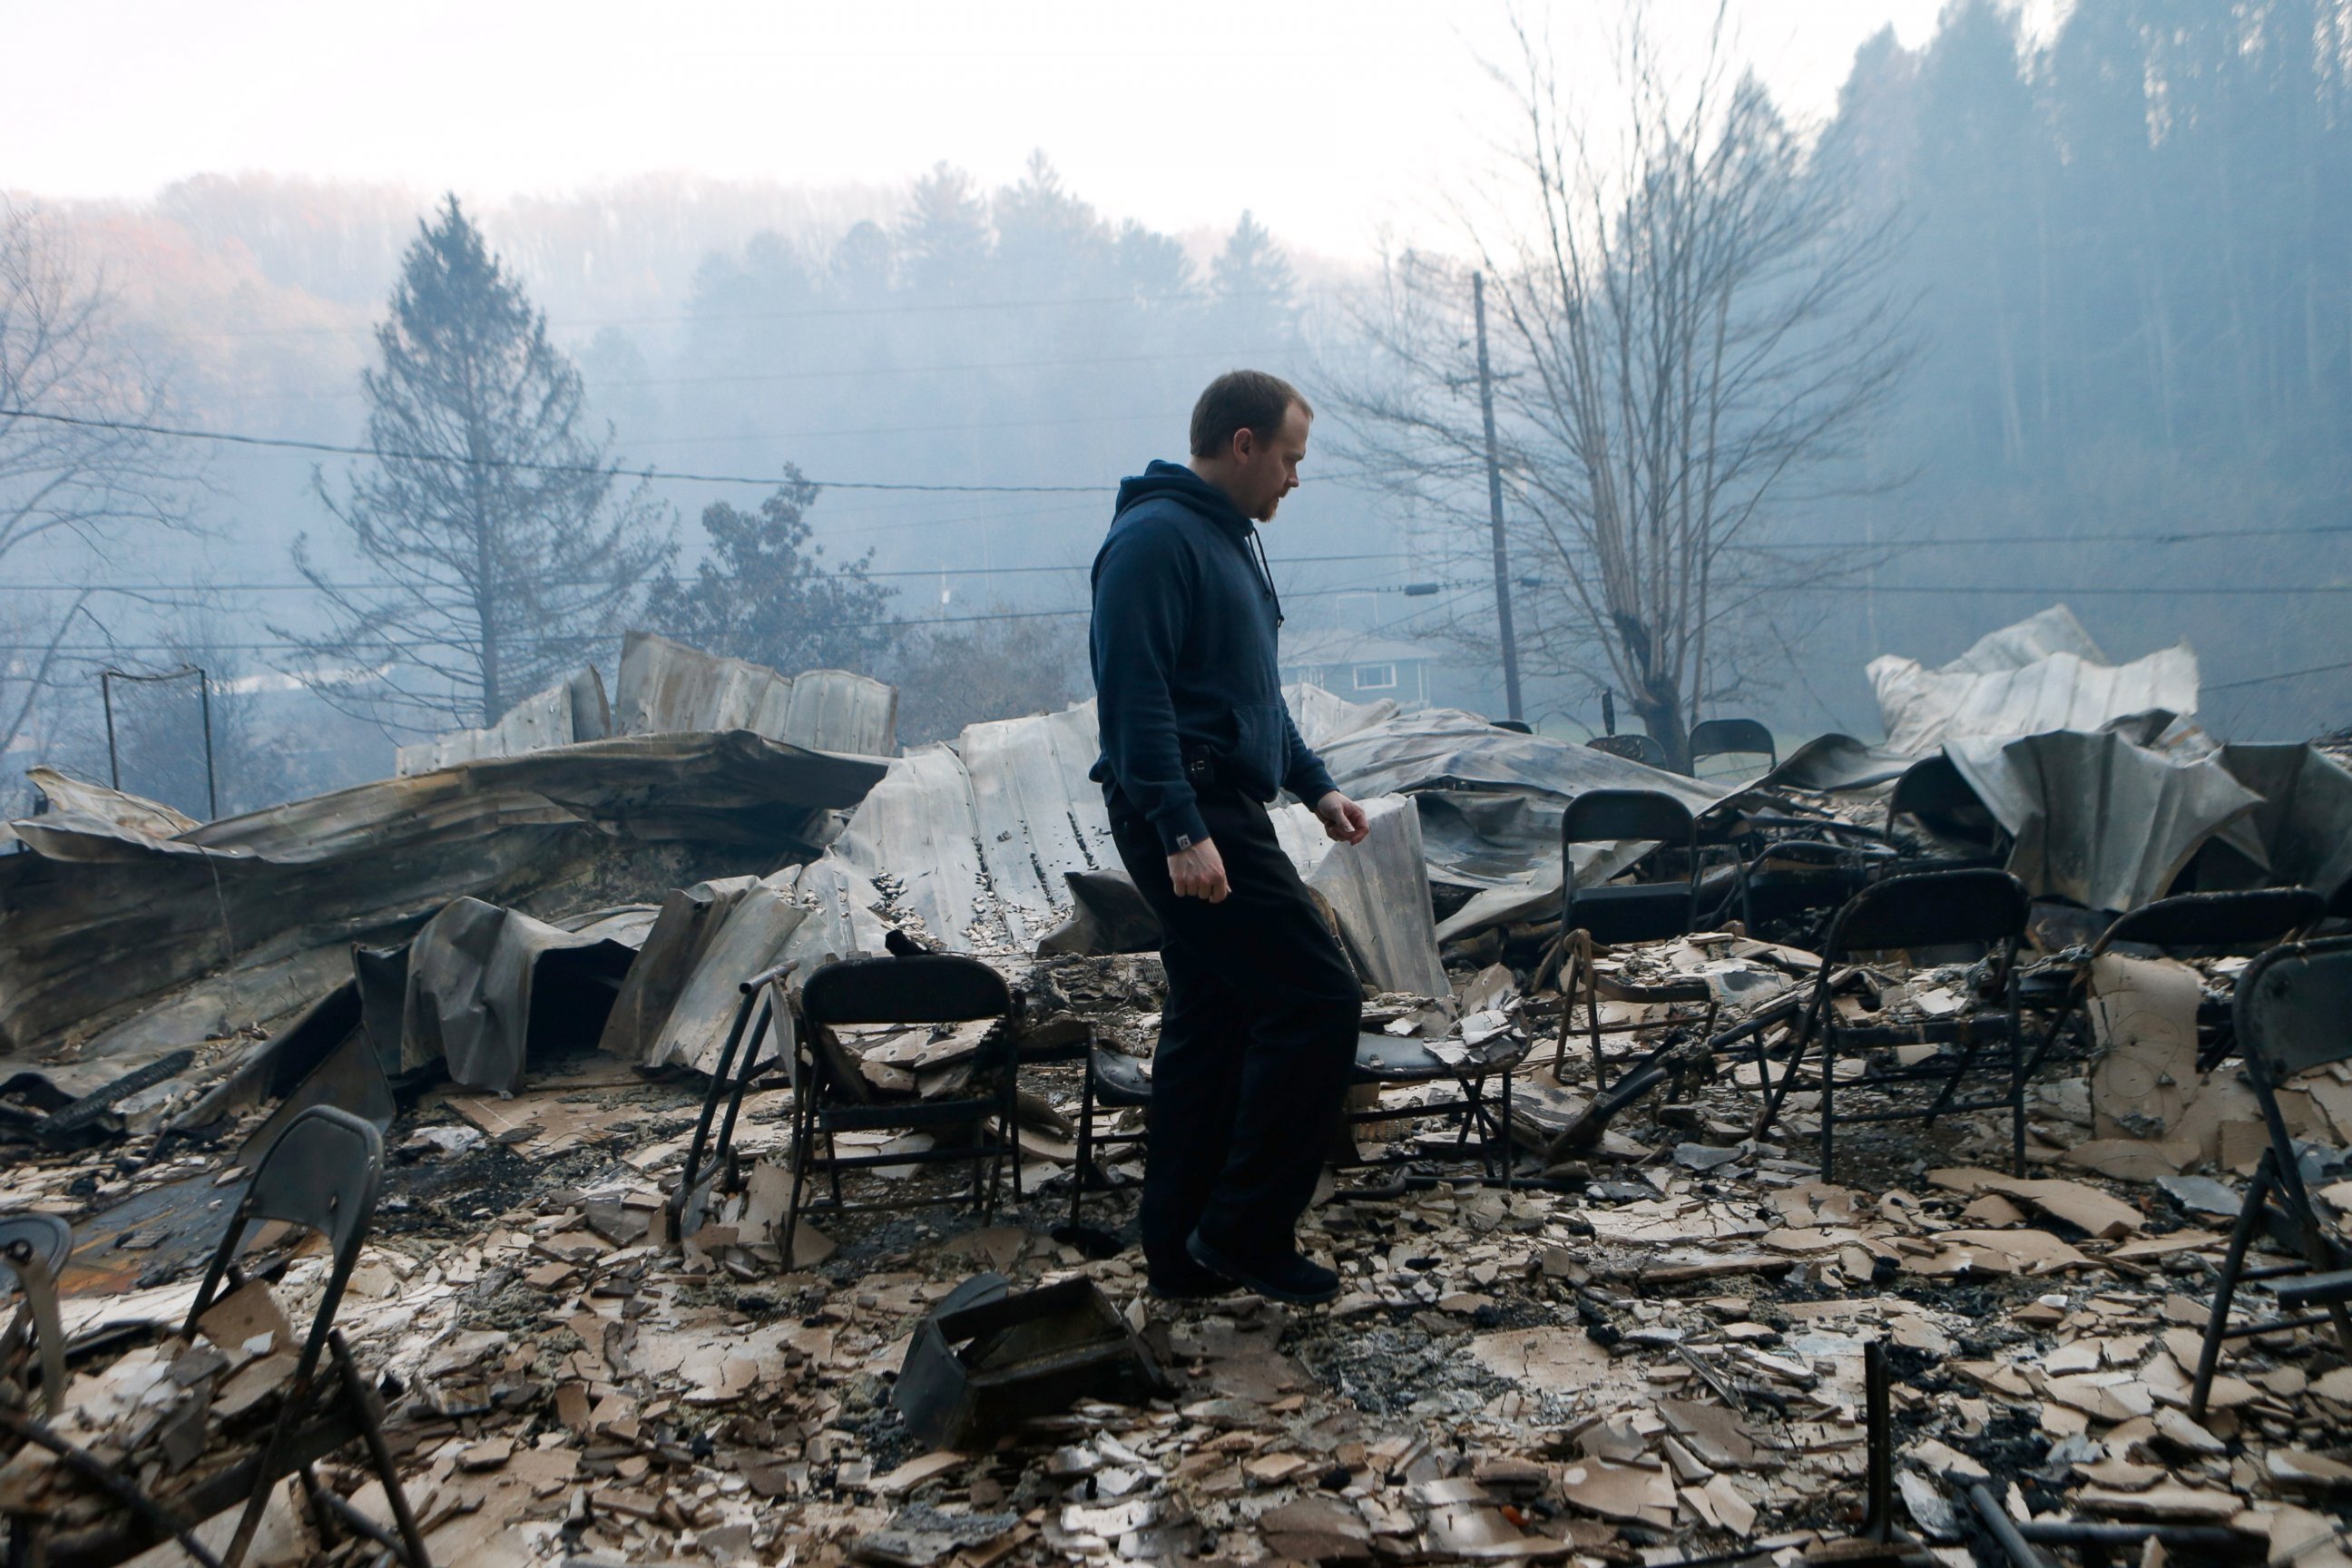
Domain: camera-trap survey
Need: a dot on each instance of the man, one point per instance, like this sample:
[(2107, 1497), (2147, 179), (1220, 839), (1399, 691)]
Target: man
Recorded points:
[(1260, 1026)]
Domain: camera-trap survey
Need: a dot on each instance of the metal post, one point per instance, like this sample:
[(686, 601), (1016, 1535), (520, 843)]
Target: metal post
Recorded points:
[(212, 784), (106, 696), (1495, 506), (1877, 1383)]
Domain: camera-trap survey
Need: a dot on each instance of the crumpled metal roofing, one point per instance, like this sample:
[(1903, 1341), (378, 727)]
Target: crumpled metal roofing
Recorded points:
[(666, 686), (2101, 818), (1446, 747), (102, 919), (566, 713), (2305, 822), (2042, 674), (977, 838), (486, 983)]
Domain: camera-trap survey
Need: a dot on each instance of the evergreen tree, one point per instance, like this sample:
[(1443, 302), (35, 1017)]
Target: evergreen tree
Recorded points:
[(765, 593), (1253, 284), (501, 548), (1045, 236), (945, 237)]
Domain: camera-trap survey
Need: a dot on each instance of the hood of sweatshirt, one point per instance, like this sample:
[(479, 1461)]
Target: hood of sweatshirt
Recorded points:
[(1163, 480), (1178, 483)]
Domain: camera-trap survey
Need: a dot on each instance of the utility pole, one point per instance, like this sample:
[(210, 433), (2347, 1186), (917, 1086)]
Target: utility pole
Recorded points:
[(1495, 507)]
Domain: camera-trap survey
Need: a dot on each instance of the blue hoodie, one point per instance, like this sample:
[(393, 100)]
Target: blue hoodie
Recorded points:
[(1184, 651)]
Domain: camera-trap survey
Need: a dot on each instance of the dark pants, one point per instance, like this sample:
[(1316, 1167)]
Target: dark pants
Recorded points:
[(1256, 1043)]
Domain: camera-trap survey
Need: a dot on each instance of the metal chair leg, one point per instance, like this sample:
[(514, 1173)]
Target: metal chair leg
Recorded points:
[(370, 1409), (1828, 1100), (2233, 1262)]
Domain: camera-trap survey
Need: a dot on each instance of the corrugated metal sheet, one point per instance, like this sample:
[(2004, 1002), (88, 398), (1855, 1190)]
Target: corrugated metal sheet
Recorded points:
[(2100, 819), (101, 921), (1379, 890), (2042, 674), (976, 840), (570, 710), (2305, 822), (666, 686)]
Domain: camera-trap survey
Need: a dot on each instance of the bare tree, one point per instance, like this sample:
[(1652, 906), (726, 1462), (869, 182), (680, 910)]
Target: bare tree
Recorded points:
[(1690, 335), (77, 479)]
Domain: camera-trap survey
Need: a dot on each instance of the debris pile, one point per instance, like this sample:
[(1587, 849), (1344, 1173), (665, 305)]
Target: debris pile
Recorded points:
[(1648, 1345)]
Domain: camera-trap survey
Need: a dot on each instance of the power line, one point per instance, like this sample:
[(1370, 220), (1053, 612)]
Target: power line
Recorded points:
[(2173, 536), (315, 394), (2042, 590), (908, 623), (2282, 674), (911, 571), (336, 450), (694, 318)]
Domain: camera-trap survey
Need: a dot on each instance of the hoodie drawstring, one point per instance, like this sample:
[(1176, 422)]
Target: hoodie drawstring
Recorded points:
[(1265, 573)]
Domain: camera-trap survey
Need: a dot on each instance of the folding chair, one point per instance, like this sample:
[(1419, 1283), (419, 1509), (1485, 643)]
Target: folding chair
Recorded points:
[(1925, 910), (1640, 749), (830, 1096), (1482, 1125), (2291, 1007), (1789, 878), (763, 1010), (33, 1248), (2191, 925), (1727, 737), (1625, 912), (1932, 793), (1115, 1080), (323, 1173)]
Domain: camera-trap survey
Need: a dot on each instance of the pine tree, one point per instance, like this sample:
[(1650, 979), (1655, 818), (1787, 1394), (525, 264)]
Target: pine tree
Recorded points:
[(500, 546), (765, 595), (945, 237), (1253, 284)]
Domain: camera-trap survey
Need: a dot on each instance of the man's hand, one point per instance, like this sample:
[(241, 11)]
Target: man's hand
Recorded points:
[(1200, 872), (1343, 819)]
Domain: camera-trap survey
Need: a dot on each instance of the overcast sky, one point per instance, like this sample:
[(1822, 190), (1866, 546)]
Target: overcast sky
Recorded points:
[(1334, 118)]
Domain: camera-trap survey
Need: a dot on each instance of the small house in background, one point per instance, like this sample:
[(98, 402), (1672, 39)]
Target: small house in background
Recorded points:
[(1359, 667)]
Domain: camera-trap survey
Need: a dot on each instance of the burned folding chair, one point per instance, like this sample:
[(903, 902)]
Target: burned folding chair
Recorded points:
[(2189, 925), (1732, 737), (1932, 794), (322, 1174), (1790, 878), (1974, 909), (1113, 1082), (1479, 1107), (764, 1011), (1617, 912), (33, 1248), (831, 1097), (2291, 1006)]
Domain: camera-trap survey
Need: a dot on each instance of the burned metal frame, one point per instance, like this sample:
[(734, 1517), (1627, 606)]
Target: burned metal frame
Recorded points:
[(1469, 1110), (763, 992), (1921, 910), (106, 680), (323, 1173), (2253, 917), (918, 988), (1612, 815), (2289, 1010)]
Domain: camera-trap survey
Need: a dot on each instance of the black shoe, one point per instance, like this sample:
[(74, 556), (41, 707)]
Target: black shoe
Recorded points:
[(1289, 1277), (1189, 1281)]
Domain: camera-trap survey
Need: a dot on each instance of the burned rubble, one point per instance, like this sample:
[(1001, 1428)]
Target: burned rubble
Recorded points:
[(1616, 1313)]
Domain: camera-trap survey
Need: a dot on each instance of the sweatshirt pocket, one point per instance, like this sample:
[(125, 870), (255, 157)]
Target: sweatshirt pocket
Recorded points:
[(1258, 746)]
